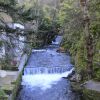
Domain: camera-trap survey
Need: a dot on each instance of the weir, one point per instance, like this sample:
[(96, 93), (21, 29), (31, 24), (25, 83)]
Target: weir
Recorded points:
[(45, 70)]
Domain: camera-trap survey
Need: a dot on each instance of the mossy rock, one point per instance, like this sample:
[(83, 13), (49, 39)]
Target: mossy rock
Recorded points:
[(3, 95), (91, 95), (7, 88), (76, 87)]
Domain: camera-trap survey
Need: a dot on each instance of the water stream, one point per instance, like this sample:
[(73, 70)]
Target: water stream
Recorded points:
[(43, 75)]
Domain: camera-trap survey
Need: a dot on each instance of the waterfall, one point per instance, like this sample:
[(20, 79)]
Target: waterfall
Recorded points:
[(57, 41), (44, 70), (44, 81)]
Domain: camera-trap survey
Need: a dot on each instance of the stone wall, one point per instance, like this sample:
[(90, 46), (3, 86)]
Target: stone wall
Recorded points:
[(9, 84)]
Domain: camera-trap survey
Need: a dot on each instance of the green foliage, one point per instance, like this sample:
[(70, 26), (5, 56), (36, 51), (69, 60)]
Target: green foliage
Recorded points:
[(46, 25), (80, 56), (90, 94), (97, 75), (70, 19), (8, 2), (2, 93), (43, 15)]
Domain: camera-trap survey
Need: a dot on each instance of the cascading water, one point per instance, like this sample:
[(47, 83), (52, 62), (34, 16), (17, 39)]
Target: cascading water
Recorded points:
[(42, 79)]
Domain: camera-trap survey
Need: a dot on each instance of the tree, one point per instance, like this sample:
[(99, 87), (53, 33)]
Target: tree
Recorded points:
[(88, 37)]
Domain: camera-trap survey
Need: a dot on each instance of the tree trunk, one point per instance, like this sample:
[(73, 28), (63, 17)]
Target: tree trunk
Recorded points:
[(88, 38)]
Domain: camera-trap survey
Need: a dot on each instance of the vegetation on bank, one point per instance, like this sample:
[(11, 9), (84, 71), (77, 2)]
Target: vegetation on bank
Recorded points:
[(71, 19)]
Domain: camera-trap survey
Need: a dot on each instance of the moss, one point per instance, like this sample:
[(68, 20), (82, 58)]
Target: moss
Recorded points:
[(14, 82), (16, 87), (18, 82), (7, 89), (76, 87), (80, 55), (90, 95), (85, 94), (97, 52), (2, 93), (97, 75), (96, 63)]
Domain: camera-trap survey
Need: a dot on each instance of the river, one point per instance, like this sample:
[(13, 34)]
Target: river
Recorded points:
[(43, 75)]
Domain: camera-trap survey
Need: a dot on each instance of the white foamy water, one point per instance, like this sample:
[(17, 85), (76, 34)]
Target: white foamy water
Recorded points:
[(17, 25), (41, 50), (44, 81)]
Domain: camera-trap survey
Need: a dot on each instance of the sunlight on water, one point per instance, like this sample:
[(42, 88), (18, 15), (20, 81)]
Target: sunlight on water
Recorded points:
[(44, 81)]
